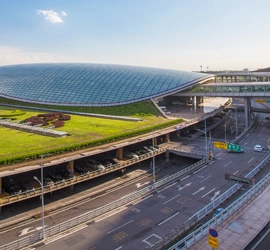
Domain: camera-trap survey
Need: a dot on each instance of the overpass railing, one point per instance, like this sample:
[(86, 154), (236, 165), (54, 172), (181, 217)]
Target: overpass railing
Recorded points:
[(91, 215), (197, 234)]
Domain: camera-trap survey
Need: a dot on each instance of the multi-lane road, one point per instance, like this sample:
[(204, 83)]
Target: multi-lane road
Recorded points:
[(139, 225)]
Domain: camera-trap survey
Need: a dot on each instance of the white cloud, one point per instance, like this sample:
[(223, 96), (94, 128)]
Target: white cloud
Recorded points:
[(9, 55), (52, 16)]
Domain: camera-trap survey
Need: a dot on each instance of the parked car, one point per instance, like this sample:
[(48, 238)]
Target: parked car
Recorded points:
[(258, 148), (218, 211), (13, 189), (131, 155), (47, 182), (26, 186), (66, 174), (91, 163), (57, 178), (81, 170)]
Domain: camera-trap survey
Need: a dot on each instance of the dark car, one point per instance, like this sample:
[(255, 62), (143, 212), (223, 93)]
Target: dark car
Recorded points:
[(26, 186), (48, 182), (66, 174), (57, 178), (13, 189), (81, 170)]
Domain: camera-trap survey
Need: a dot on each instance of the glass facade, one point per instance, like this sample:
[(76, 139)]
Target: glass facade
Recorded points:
[(74, 84)]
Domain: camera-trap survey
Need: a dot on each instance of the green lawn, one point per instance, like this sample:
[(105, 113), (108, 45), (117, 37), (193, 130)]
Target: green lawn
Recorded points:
[(15, 143)]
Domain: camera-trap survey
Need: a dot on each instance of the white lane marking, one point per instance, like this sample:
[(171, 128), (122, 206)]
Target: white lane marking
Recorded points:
[(215, 195), (244, 144), (199, 169), (167, 187), (211, 162), (185, 177), (27, 230), (119, 227), (205, 178), (142, 199), (227, 164), (268, 140), (236, 172), (208, 192), (118, 248), (171, 199), (188, 184), (250, 159), (199, 190), (143, 184), (168, 219)]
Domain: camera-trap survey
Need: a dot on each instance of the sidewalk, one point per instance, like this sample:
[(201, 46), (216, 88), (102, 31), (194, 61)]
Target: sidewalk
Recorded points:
[(239, 230)]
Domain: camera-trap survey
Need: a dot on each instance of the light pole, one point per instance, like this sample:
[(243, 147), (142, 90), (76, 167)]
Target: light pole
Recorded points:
[(236, 129), (42, 193), (205, 133), (225, 133), (154, 170)]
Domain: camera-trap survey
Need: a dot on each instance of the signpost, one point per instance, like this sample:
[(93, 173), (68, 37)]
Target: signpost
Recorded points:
[(212, 238), (222, 145), (234, 148), (242, 180)]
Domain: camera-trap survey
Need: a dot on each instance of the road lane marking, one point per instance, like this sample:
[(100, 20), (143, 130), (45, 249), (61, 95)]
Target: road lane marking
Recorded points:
[(109, 215), (142, 199), (199, 190), (171, 199), (185, 177), (227, 164), (208, 192), (250, 159), (167, 187), (215, 195), (119, 227), (205, 178), (168, 219), (236, 172), (152, 235), (199, 169)]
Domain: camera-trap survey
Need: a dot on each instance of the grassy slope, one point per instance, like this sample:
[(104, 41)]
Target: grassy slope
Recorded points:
[(15, 143)]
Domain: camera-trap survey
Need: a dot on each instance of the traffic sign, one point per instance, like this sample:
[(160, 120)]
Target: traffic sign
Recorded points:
[(212, 241), (234, 148), (221, 145), (242, 180), (213, 232)]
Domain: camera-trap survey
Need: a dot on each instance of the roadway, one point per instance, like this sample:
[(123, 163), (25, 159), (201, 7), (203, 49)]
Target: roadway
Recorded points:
[(141, 224)]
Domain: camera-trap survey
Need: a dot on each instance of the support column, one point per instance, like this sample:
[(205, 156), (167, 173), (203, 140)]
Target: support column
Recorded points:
[(70, 168), (193, 101), (247, 112), (119, 154), (167, 156), (1, 190), (197, 100), (167, 137)]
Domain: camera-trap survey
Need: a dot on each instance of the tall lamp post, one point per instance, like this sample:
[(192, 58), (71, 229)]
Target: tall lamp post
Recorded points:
[(236, 129), (225, 133), (205, 133), (154, 170), (42, 192)]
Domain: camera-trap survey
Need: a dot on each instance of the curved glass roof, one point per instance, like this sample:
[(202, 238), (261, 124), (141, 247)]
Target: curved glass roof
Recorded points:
[(75, 84)]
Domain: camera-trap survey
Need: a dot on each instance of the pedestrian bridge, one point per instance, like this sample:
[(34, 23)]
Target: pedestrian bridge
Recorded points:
[(233, 89)]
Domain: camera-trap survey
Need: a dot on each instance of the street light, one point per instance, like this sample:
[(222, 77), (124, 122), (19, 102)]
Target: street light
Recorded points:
[(236, 129), (154, 173), (205, 133), (42, 192), (225, 133)]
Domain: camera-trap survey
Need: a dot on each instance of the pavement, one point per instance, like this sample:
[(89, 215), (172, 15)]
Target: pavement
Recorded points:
[(237, 231)]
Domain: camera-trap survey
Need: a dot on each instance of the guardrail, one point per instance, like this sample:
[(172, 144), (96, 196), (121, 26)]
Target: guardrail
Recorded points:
[(177, 232), (89, 216)]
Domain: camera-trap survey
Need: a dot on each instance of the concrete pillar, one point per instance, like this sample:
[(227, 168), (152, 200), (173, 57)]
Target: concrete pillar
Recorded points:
[(222, 79), (155, 141), (231, 78), (167, 137), (235, 78), (119, 153), (70, 168), (245, 79), (198, 99), (247, 112), (193, 101), (167, 156)]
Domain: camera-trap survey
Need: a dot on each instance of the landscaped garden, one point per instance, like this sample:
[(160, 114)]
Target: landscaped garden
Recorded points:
[(84, 131)]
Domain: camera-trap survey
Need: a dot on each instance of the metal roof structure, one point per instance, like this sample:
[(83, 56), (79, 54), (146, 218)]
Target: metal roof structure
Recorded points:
[(77, 84)]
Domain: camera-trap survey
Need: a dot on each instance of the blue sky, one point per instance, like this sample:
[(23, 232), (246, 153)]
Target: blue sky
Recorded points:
[(174, 34)]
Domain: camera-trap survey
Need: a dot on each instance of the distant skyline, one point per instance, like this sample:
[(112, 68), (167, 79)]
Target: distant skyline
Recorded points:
[(172, 34)]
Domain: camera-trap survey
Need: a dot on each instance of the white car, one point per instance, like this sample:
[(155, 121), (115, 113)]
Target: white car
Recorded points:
[(258, 148)]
